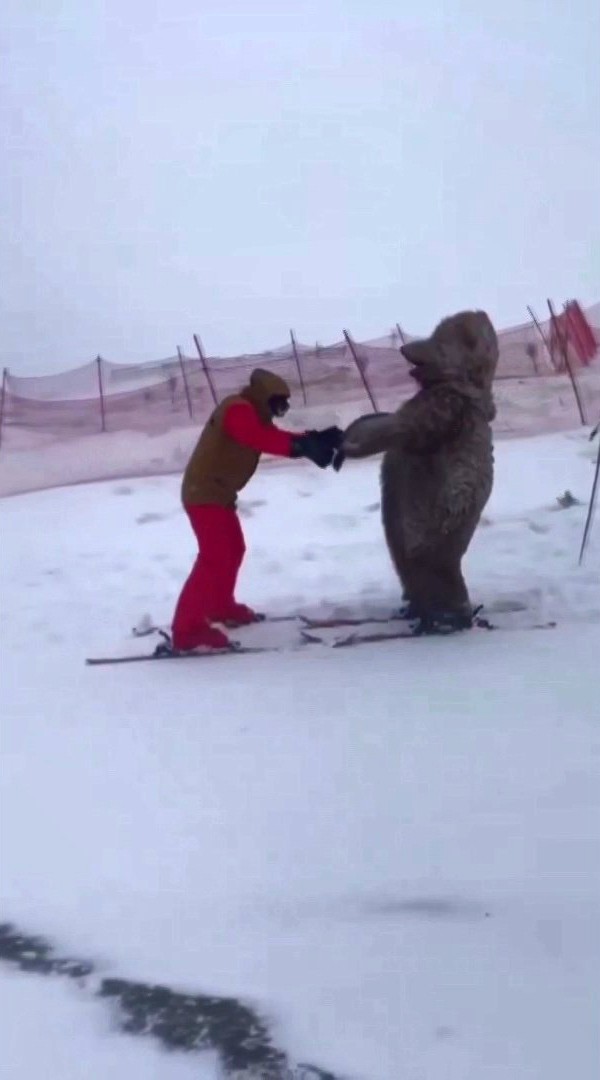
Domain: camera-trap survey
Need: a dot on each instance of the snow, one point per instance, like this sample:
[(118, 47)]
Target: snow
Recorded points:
[(47, 1030), (392, 851)]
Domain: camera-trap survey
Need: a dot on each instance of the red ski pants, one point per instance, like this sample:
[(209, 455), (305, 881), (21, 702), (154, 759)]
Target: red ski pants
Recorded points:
[(209, 590)]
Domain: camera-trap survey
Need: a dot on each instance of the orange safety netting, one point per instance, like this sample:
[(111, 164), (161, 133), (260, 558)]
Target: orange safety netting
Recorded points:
[(157, 407)]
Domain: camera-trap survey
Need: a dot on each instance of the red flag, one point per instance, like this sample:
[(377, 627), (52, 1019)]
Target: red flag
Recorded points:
[(579, 333)]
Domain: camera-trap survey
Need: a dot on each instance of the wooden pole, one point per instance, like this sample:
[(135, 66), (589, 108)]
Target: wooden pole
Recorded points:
[(2, 400), (400, 334), (297, 359), (592, 507), (205, 369), (352, 348), (540, 331), (101, 391), (185, 383), (565, 353)]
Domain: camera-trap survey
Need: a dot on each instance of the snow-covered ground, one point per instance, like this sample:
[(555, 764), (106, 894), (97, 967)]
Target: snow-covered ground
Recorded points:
[(391, 851), (49, 1031)]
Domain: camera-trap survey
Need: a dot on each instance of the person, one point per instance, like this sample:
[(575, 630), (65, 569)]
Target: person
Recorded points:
[(225, 458)]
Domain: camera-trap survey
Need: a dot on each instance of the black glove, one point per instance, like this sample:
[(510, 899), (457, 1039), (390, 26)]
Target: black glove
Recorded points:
[(338, 459), (318, 446), (333, 435)]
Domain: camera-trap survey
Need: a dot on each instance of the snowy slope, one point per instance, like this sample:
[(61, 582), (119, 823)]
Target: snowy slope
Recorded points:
[(48, 1031), (392, 851)]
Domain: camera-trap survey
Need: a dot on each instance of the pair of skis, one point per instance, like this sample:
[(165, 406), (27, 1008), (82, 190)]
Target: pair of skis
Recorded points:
[(310, 634), (354, 631)]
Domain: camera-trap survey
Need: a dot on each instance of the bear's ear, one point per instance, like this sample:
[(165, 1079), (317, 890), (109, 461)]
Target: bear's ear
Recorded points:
[(417, 352)]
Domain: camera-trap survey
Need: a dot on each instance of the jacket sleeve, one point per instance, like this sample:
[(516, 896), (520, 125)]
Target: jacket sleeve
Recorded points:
[(242, 424), (428, 420)]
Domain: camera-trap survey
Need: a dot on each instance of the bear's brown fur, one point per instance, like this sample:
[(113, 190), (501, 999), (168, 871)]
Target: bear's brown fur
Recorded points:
[(437, 471)]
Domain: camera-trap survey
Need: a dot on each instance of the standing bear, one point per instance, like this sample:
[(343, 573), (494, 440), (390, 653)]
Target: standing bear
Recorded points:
[(438, 466)]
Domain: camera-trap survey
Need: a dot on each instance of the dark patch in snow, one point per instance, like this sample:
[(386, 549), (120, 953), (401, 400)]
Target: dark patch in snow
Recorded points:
[(427, 907), (146, 519), (197, 1022), (30, 953), (122, 490), (183, 1022), (566, 501)]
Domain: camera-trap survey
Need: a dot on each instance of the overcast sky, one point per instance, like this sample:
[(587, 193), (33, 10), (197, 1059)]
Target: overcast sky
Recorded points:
[(238, 168)]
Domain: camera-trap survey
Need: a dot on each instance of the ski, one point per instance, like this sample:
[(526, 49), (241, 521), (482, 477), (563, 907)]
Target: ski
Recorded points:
[(376, 637), (357, 620), (501, 607), (312, 638), (308, 636), (140, 658)]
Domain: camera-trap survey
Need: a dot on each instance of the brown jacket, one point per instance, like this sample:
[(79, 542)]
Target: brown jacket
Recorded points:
[(219, 466)]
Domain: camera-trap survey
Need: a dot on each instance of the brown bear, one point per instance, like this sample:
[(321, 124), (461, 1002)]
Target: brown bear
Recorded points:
[(438, 464)]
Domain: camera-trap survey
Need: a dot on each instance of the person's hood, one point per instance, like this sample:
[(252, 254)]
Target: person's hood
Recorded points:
[(264, 385), (461, 352)]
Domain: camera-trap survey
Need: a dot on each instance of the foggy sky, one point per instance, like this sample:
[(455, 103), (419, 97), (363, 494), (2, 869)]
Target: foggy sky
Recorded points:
[(239, 168)]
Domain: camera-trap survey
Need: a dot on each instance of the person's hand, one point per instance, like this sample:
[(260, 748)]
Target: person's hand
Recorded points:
[(332, 435), (318, 446), (338, 459)]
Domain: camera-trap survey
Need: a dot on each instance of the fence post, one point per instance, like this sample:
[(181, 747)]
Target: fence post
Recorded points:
[(564, 348), (2, 399), (101, 393), (400, 334), (185, 383), (540, 331), (205, 369), (297, 359), (352, 348), (592, 507)]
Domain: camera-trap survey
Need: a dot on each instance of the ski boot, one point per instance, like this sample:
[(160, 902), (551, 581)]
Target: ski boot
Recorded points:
[(238, 615), (205, 638), (443, 622), (451, 622), (406, 611)]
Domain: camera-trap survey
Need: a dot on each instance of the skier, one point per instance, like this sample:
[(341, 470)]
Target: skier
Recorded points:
[(225, 458)]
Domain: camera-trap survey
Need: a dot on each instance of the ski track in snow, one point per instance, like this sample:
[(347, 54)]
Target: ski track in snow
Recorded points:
[(393, 852)]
